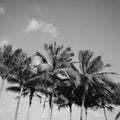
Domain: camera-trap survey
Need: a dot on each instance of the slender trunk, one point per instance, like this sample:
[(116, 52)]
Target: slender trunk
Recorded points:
[(29, 108), (105, 112), (18, 104), (70, 107), (51, 107), (2, 86), (85, 113), (82, 114)]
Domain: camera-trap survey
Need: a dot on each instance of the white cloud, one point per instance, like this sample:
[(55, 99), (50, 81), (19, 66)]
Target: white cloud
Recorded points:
[(3, 41), (35, 25), (2, 10)]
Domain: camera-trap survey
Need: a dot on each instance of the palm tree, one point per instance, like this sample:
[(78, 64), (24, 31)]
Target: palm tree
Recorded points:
[(90, 73), (59, 60), (117, 99), (31, 89), (65, 91), (32, 94), (28, 90), (97, 99), (23, 74), (62, 102), (19, 74), (5, 52)]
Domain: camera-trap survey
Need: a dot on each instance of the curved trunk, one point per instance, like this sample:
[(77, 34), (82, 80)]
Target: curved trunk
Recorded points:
[(18, 104), (2, 86), (82, 114), (105, 113), (29, 108)]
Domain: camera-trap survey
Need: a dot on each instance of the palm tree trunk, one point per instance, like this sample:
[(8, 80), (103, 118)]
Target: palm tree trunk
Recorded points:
[(85, 113), (28, 114), (29, 108), (70, 107), (105, 112), (18, 103), (51, 107), (82, 114), (2, 86)]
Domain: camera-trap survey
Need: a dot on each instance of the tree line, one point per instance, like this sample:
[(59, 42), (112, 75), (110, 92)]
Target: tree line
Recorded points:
[(60, 79)]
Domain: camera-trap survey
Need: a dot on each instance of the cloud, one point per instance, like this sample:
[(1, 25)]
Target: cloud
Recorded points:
[(3, 41), (2, 10), (35, 25)]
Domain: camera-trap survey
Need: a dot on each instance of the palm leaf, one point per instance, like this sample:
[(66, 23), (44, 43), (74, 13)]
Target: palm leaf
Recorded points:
[(12, 80), (38, 95), (15, 89), (7, 51), (117, 116), (96, 65), (44, 60), (24, 94)]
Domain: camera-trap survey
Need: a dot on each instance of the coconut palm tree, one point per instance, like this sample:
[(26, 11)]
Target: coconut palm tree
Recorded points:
[(65, 91), (31, 89), (96, 99), (117, 99), (19, 74), (26, 78), (32, 93), (5, 52), (28, 90), (58, 61), (90, 73), (63, 102)]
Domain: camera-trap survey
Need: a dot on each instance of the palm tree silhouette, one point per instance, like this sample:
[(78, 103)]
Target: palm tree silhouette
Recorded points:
[(90, 73), (5, 53), (58, 61), (20, 72)]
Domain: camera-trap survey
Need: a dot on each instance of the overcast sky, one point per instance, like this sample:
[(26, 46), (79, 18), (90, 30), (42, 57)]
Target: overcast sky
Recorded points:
[(81, 24)]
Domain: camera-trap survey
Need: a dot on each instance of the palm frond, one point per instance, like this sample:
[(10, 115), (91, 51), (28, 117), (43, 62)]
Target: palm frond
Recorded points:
[(96, 65), (12, 80), (25, 94), (107, 73), (110, 108), (44, 60), (117, 116), (38, 95), (15, 89), (7, 51)]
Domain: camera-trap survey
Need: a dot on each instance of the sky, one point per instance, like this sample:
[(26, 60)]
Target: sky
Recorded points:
[(80, 24)]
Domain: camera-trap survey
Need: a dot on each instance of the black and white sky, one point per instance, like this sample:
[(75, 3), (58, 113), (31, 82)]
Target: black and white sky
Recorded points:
[(81, 24)]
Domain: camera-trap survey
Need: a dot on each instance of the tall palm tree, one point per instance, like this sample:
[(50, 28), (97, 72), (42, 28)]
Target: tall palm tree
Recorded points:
[(31, 89), (5, 52), (63, 102), (90, 73), (20, 71), (96, 99), (65, 91), (117, 99), (32, 93), (28, 90), (58, 61), (23, 74)]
